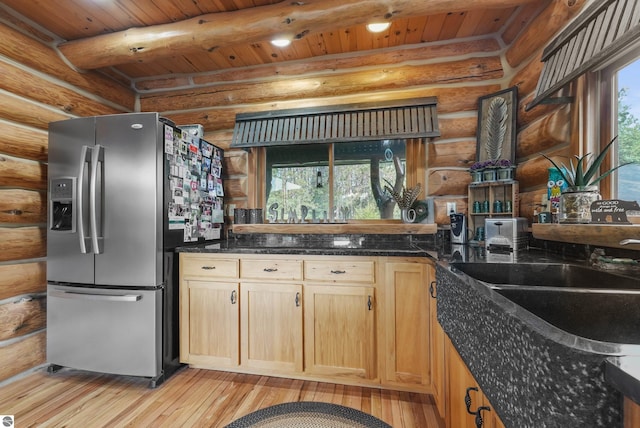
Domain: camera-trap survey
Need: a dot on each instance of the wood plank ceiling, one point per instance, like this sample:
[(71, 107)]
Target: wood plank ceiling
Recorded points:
[(70, 20)]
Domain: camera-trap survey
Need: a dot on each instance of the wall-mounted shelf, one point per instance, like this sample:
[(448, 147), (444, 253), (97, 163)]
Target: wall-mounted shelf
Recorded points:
[(606, 235), (492, 191), (390, 228)]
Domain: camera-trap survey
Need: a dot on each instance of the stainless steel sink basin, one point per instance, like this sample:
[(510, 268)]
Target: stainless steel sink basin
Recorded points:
[(546, 275)]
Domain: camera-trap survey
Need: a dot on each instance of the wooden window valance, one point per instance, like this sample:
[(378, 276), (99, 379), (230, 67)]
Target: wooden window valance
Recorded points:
[(604, 31), (415, 118)]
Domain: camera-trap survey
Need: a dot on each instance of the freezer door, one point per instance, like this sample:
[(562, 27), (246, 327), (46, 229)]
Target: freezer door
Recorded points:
[(129, 223), (69, 257), (105, 330)]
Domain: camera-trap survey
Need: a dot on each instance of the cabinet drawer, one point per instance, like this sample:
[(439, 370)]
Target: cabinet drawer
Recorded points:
[(340, 271), (271, 269), (210, 268)]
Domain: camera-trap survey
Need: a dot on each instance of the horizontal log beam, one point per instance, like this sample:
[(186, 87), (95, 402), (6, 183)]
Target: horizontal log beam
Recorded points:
[(17, 109), (459, 127), (23, 355), (18, 243), (33, 87), (527, 117), (38, 56), (22, 206), (541, 29), (520, 21), (221, 139), (22, 278), (443, 182), (527, 77), (28, 175), (20, 141), (534, 172), (452, 154), (544, 134), (22, 317), (211, 31), (322, 66), (389, 78)]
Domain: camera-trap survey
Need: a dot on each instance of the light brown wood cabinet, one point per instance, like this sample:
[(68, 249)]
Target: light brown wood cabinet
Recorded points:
[(339, 335), (345, 319), (631, 413), (271, 326), (209, 311), (406, 323), (461, 388), (437, 341)]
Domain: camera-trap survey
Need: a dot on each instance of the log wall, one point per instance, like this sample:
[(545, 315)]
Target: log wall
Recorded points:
[(456, 73), (36, 88)]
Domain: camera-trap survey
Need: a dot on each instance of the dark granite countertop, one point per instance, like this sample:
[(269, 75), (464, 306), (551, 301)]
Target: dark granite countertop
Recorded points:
[(332, 245)]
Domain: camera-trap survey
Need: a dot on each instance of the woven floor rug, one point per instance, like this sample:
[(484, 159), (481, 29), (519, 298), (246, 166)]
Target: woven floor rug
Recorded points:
[(308, 414)]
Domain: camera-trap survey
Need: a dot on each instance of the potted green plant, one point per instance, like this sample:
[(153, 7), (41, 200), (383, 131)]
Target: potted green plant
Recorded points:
[(582, 179)]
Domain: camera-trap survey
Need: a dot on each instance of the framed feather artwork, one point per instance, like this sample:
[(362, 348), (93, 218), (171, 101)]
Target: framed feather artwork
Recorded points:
[(496, 133)]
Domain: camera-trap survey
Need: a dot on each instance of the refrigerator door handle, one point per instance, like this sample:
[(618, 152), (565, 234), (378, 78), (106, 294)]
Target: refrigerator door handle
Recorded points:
[(100, 297), (84, 158), (96, 157)]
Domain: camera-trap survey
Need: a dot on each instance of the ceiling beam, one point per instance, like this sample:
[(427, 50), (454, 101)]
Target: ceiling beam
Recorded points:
[(211, 31)]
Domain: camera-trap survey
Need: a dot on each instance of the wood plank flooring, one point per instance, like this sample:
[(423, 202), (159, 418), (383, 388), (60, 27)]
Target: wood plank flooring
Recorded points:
[(191, 398)]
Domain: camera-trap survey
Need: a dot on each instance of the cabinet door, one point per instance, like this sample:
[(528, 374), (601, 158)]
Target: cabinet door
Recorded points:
[(271, 332), (406, 323), (211, 312), (459, 380), (437, 347), (462, 387), (339, 331)]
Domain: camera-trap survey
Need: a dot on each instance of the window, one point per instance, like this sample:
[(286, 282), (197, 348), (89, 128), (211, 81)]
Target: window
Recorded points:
[(628, 123), (339, 182), (620, 95), (297, 176)]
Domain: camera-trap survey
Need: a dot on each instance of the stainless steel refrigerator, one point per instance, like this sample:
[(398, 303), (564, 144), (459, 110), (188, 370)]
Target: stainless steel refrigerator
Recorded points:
[(124, 191)]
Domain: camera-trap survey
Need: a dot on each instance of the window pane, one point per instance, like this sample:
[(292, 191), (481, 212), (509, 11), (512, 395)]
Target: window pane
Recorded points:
[(296, 176), (361, 171), (628, 185)]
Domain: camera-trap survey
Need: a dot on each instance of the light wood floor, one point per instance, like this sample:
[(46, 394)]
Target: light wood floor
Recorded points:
[(191, 398)]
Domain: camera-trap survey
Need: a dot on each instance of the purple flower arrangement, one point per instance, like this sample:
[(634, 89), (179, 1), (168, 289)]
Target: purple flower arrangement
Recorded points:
[(491, 170), (499, 163)]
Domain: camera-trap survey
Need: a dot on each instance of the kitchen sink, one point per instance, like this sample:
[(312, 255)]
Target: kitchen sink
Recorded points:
[(541, 330), (604, 315), (585, 302), (547, 275)]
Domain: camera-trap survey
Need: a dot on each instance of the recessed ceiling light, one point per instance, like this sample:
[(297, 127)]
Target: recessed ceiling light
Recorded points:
[(280, 42), (377, 27)]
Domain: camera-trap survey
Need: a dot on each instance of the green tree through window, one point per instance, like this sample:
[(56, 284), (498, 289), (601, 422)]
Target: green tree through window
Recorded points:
[(299, 175)]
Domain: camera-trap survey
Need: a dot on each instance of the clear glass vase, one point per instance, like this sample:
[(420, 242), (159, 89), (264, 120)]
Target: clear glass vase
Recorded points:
[(575, 204)]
